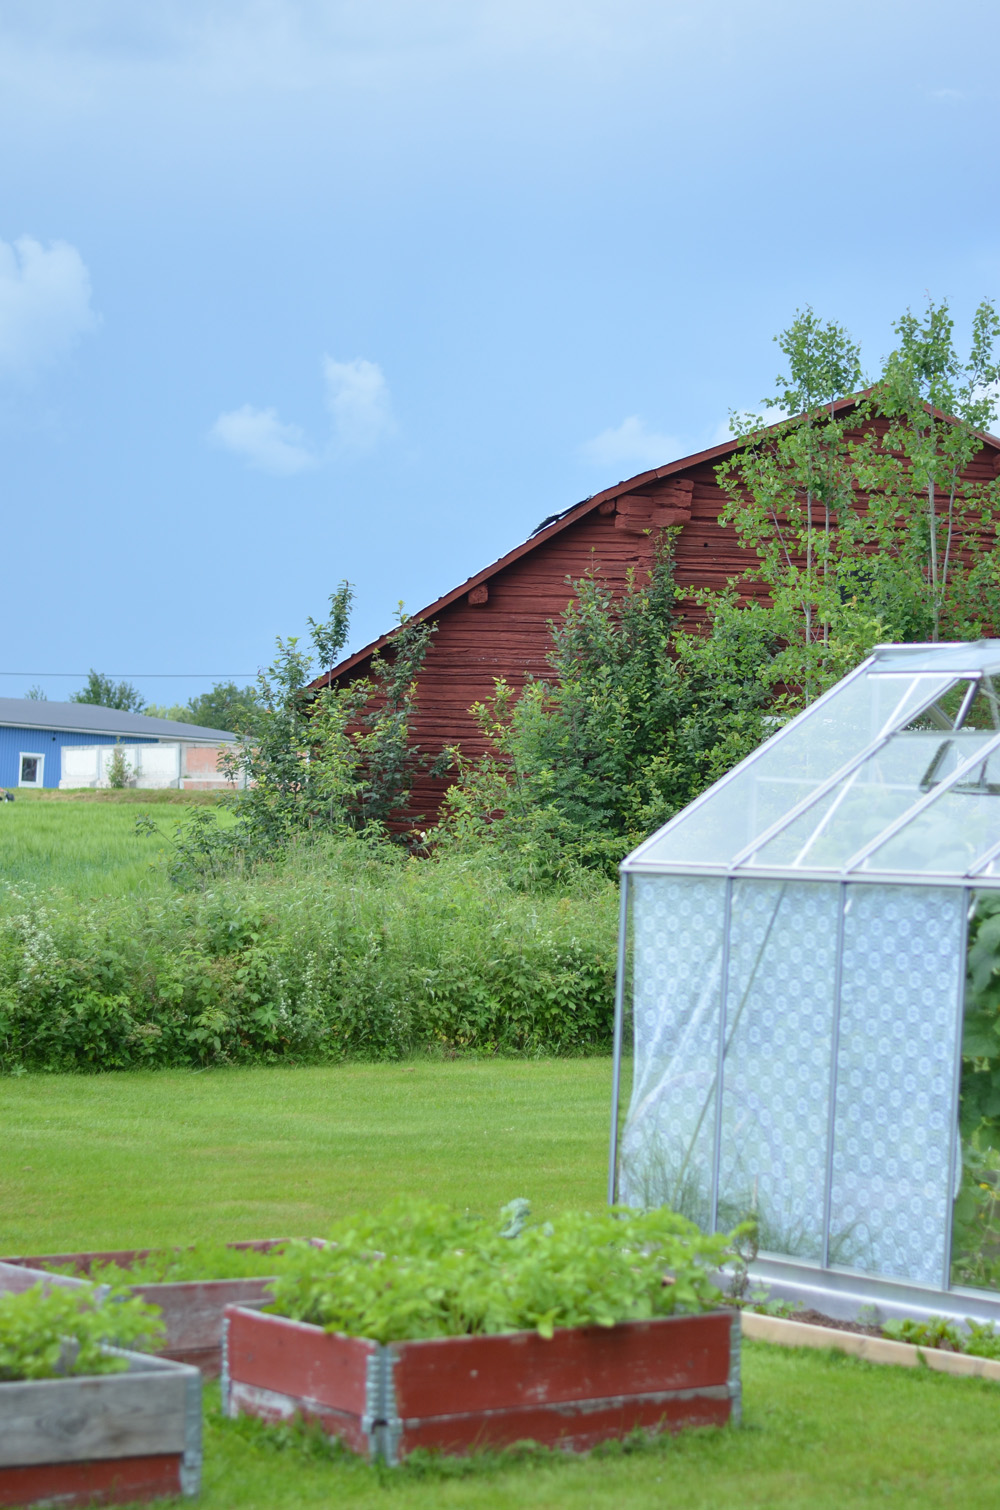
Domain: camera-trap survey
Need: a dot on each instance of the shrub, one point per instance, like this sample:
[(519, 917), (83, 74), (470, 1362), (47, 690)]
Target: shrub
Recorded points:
[(634, 721), (345, 951)]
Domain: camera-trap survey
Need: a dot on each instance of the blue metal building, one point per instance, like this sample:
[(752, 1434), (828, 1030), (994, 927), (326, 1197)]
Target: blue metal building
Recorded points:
[(33, 734)]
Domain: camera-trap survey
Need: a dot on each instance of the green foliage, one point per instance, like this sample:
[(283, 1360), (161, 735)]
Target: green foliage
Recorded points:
[(919, 560), (346, 951), (176, 712), (420, 1270), (119, 769), (935, 1332), (761, 1303), (226, 707), (976, 1239), (636, 719), (980, 1339), (981, 1038), (202, 1260), (107, 693), (316, 759), (934, 531), (824, 364), (47, 1332)]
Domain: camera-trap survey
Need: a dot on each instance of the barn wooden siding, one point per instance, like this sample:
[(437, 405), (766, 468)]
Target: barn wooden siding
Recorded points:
[(497, 624)]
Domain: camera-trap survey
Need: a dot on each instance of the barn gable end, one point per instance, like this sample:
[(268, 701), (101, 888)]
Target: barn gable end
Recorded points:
[(497, 623)]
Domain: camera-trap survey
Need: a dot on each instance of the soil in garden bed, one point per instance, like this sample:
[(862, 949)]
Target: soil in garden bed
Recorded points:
[(819, 1318)]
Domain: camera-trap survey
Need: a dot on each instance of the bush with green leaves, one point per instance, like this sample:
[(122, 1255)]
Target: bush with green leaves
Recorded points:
[(346, 950), (50, 1331), (314, 759), (635, 720), (420, 1270)]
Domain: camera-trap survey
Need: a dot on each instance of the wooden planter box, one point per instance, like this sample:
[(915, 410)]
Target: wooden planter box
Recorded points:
[(787, 1332), (106, 1439), (584, 1386), (192, 1309)]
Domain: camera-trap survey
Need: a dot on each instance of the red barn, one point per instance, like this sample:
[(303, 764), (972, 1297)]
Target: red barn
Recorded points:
[(496, 624)]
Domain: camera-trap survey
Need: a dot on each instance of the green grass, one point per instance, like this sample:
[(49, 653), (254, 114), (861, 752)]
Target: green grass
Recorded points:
[(820, 1431), (147, 1158), (143, 1158), (86, 843)]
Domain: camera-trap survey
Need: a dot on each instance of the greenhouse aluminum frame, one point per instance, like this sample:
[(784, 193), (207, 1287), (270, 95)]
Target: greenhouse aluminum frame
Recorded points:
[(800, 935)]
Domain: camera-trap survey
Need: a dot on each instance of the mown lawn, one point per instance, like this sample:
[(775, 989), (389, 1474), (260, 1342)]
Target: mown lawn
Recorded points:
[(117, 1160), (133, 1159), (820, 1432)]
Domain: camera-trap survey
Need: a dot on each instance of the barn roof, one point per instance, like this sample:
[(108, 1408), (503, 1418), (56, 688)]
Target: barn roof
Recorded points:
[(90, 718), (558, 522)]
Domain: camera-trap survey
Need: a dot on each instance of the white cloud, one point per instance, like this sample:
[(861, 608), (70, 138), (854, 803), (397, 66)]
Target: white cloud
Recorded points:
[(357, 397), (44, 304), (259, 436), (631, 444)]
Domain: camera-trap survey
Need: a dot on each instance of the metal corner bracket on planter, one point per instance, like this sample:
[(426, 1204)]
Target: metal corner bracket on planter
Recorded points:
[(455, 1394), (103, 1438)]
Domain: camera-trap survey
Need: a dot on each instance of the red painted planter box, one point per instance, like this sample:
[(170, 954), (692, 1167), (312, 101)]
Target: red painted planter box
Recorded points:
[(105, 1439), (192, 1309), (583, 1386)]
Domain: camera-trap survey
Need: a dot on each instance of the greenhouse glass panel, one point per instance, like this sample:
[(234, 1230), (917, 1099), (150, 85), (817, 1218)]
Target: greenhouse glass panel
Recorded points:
[(862, 806), (798, 983), (667, 1150), (791, 766), (776, 1068), (896, 1119), (948, 835)]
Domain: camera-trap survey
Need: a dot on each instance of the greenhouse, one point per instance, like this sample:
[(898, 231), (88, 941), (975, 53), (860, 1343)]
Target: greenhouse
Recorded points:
[(799, 944)]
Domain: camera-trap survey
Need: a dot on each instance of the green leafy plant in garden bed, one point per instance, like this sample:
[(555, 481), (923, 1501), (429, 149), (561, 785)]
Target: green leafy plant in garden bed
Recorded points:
[(980, 1340), (177, 1265), (421, 1270), (47, 1333)]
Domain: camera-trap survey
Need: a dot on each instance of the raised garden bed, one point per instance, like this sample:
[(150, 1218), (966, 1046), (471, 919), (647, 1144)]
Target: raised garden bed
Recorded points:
[(864, 1342), (582, 1386), (105, 1439), (192, 1309)]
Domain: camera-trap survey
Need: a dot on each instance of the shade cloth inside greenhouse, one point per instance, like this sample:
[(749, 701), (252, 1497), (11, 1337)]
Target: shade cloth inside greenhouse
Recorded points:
[(799, 968)]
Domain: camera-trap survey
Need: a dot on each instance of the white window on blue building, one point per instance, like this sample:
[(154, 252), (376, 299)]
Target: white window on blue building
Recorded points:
[(32, 770)]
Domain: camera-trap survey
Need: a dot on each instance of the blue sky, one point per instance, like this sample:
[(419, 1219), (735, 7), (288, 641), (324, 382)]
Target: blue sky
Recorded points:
[(297, 290)]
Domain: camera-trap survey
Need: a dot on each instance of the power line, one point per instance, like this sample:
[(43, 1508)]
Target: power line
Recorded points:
[(190, 676)]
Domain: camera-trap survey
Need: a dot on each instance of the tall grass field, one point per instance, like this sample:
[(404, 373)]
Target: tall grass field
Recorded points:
[(87, 843)]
